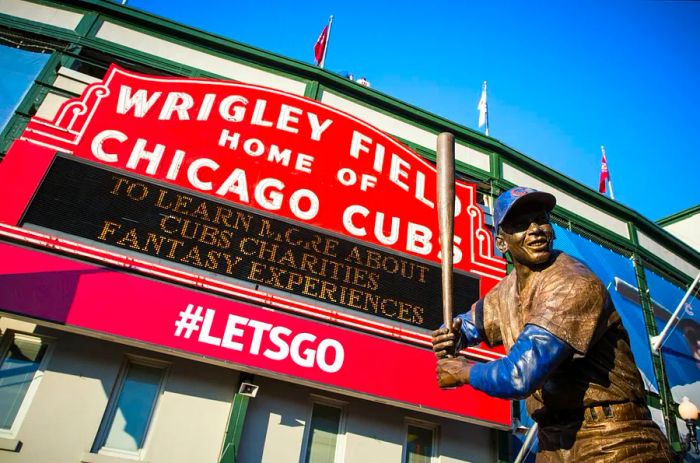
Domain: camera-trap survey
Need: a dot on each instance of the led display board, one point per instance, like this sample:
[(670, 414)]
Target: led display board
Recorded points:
[(162, 222)]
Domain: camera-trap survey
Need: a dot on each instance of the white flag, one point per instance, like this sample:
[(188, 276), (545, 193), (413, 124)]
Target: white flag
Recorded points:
[(483, 109)]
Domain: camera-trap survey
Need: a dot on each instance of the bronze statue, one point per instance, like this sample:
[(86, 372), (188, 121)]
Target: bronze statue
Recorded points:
[(568, 353)]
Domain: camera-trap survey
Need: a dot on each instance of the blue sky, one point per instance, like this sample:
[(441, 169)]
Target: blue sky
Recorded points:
[(564, 77)]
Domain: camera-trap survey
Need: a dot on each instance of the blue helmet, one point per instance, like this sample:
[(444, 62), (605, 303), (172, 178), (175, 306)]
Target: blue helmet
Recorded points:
[(520, 195)]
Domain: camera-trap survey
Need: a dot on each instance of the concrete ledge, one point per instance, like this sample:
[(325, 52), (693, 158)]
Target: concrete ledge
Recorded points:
[(98, 458), (10, 445)]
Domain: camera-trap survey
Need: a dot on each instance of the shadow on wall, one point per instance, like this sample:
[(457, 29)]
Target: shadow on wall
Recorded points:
[(43, 295), (83, 358)]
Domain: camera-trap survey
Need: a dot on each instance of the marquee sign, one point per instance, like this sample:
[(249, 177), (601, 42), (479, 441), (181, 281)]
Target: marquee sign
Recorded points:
[(258, 213), (274, 152)]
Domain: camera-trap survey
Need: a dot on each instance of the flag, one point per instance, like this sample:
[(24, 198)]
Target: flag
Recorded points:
[(320, 47), (604, 173), (364, 82), (483, 108)]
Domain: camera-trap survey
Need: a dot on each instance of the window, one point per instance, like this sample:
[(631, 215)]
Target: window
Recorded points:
[(21, 363), (20, 68), (420, 442), (323, 442), (130, 409)]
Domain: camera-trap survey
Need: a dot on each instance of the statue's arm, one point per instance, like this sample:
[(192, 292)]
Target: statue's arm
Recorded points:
[(535, 355)]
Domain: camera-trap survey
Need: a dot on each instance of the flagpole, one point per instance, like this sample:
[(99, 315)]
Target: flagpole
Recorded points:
[(328, 41), (487, 108), (656, 341)]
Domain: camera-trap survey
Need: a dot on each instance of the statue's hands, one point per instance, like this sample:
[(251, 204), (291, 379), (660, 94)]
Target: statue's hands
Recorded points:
[(453, 372), (444, 339)]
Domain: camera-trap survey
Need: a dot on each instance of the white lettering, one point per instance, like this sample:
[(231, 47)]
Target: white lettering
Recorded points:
[(303, 163), (205, 108), (349, 212), (379, 229), (418, 239), (231, 139), (306, 359), (204, 335), (420, 190), (140, 101), (282, 347), (456, 251), (359, 144), (253, 147), (236, 183), (288, 114), (346, 176), (367, 181), (321, 352), (260, 328), (279, 343), (231, 108), (316, 128), (232, 331), (280, 157), (313, 208), (398, 170), (99, 140), (259, 114), (238, 111), (176, 102), (175, 165), (193, 173), (273, 201), (139, 153)]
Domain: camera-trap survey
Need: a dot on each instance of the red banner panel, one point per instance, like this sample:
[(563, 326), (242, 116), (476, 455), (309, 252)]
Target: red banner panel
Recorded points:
[(82, 295)]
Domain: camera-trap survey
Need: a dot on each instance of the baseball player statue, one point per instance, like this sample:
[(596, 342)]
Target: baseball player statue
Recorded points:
[(568, 353)]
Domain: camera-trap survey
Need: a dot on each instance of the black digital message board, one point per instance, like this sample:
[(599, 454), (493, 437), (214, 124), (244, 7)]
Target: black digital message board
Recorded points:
[(144, 217)]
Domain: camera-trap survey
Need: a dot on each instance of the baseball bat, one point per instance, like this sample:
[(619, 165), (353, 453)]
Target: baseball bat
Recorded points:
[(446, 216)]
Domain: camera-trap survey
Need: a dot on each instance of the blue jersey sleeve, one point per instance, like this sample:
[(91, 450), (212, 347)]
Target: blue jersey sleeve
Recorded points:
[(469, 334), (534, 355)]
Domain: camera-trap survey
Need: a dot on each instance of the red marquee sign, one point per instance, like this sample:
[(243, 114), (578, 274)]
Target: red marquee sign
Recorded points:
[(271, 151), (257, 149)]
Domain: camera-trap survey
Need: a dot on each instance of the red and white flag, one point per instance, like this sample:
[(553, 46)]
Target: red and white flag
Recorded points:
[(321, 45), (604, 175)]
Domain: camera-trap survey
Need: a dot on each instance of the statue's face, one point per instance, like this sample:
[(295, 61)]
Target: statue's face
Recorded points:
[(527, 234)]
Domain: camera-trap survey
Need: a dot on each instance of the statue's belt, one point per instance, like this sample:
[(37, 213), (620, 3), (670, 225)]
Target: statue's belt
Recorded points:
[(615, 411)]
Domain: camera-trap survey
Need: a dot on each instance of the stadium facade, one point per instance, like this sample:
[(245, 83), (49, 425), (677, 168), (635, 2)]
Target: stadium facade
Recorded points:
[(212, 253)]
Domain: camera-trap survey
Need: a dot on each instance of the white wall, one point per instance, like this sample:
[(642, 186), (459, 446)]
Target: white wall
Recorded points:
[(687, 230), (66, 411)]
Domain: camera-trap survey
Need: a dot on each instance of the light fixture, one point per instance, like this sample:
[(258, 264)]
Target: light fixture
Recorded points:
[(248, 389), (689, 413)]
